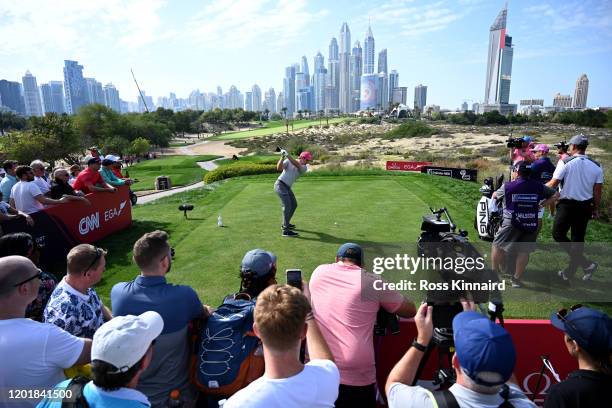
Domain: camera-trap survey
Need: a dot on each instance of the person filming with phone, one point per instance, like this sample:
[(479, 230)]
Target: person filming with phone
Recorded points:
[(347, 316)]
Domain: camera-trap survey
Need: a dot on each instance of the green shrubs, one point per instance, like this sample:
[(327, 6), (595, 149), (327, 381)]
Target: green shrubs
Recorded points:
[(410, 129), (238, 169)]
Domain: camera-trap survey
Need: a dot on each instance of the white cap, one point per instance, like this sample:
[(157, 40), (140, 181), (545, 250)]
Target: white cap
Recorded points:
[(124, 340), (112, 158)]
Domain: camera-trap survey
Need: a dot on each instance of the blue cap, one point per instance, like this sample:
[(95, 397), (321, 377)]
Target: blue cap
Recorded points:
[(579, 140), (351, 251), (527, 138), (484, 349), (591, 329), (258, 261)]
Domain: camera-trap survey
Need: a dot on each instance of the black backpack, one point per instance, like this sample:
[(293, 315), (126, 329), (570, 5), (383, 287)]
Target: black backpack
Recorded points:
[(446, 399), (75, 398)]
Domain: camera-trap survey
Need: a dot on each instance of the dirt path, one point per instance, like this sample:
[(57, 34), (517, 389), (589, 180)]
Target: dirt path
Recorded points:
[(214, 147)]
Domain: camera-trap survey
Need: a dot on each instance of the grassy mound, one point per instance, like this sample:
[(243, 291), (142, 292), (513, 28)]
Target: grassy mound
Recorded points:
[(410, 129), (182, 170), (238, 169)]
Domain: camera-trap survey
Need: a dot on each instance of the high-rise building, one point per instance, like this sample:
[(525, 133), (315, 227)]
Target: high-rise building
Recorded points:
[(196, 100), (382, 61), (393, 83), (53, 97), (270, 100), (256, 90), (74, 86), (31, 95), (464, 107), (369, 98), (582, 92), (304, 70), (356, 68), (345, 66), (319, 83), (248, 101), (382, 92), (332, 91), (95, 94), (11, 97), (499, 67), (289, 90), (145, 103), (280, 102), (368, 52), (420, 97), (562, 101), (112, 100), (400, 95)]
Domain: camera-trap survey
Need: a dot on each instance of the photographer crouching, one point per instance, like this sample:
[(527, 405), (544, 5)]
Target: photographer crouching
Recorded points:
[(291, 170), (518, 233)]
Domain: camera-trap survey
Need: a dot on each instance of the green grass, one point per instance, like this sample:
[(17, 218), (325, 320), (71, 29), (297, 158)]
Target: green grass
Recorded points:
[(260, 159), (182, 170), (373, 208), (275, 127)]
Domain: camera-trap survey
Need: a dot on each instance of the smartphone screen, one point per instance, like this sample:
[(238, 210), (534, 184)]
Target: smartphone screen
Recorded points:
[(294, 278)]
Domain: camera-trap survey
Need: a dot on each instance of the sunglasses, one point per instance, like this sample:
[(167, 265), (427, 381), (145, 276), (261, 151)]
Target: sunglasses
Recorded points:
[(99, 252), (39, 275), (563, 313)]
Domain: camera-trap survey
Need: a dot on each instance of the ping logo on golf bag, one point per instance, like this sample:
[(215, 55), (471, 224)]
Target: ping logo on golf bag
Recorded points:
[(483, 217)]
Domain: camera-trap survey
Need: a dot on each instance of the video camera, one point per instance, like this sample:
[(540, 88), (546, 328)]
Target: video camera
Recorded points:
[(515, 142), (562, 145)]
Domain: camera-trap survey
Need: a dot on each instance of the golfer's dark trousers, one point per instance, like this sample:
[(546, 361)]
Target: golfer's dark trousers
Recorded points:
[(288, 201), (352, 396), (573, 215)]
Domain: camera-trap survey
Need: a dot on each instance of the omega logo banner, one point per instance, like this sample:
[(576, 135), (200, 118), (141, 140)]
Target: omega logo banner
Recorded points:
[(58, 228)]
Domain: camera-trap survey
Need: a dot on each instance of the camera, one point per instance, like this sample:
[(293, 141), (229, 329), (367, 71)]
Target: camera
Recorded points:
[(515, 142), (386, 323), (562, 145)]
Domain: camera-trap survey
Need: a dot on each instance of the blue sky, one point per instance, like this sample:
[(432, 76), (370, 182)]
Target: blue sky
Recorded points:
[(183, 45)]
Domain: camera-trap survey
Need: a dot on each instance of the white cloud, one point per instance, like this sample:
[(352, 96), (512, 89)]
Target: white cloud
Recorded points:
[(28, 26), (230, 24)]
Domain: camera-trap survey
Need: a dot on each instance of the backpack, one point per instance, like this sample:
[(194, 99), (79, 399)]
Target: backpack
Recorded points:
[(225, 358), (75, 399), (446, 399)]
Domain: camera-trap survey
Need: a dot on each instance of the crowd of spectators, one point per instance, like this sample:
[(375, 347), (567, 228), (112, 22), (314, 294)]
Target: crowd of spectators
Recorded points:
[(139, 354)]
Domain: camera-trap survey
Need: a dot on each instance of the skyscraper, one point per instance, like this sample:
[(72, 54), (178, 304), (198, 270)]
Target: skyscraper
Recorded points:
[(345, 81), (95, 94), (304, 70), (248, 101), (270, 100), (289, 90), (369, 98), (400, 95), (499, 67), (356, 68), (10, 96), (382, 92), (582, 92), (562, 101), (31, 95), (368, 52), (382, 61), (53, 97), (332, 96), (111, 98), (420, 97), (256, 98), (319, 82), (74, 86), (280, 102), (393, 83)]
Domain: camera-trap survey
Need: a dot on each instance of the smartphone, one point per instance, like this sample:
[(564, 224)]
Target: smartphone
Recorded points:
[(294, 278)]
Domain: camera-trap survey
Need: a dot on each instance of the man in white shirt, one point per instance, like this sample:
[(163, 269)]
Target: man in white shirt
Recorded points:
[(483, 363), (34, 355), (40, 178), (581, 179), (283, 318), (74, 304), (26, 196)]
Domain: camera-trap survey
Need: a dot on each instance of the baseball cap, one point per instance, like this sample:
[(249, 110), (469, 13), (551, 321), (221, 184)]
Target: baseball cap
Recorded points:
[(527, 139), (484, 349), (306, 155), (590, 328), (112, 158), (522, 166), (90, 160), (540, 148), (258, 261), (579, 140), (351, 251), (124, 340)]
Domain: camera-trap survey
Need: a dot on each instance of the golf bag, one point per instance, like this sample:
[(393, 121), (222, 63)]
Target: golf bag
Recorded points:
[(489, 211)]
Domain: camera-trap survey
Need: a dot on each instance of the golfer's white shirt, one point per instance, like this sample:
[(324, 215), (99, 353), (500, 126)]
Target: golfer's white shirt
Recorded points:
[(578, 176)]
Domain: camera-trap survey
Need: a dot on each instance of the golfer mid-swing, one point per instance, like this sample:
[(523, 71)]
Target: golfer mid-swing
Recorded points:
[(291, 170)]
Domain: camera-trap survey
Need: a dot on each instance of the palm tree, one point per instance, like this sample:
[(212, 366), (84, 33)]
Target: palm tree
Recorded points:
[(284, 110), (320, 116), (300, 113)]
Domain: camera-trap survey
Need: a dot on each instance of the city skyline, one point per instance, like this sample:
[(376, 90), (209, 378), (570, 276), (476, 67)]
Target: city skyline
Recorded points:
[(452, 77)]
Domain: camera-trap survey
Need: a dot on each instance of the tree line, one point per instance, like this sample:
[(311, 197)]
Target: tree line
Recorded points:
[(588, 117)]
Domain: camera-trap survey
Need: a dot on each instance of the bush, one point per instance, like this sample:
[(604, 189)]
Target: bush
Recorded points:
[(238, 169), (410, 129)]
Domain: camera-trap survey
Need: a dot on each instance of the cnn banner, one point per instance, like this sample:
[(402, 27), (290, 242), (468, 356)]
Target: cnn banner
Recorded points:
[(406, 165), (59, 228)]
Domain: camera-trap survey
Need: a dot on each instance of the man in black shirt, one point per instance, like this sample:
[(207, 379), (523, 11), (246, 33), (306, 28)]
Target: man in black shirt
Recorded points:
[(588, 338), (61, 188)]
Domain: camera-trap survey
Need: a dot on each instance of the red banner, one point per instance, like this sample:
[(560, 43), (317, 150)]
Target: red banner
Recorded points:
[(532, 339), (406, 165)]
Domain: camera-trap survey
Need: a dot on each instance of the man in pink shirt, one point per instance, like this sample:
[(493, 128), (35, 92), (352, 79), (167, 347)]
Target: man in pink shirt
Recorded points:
[(347, 315), (524, 153)]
